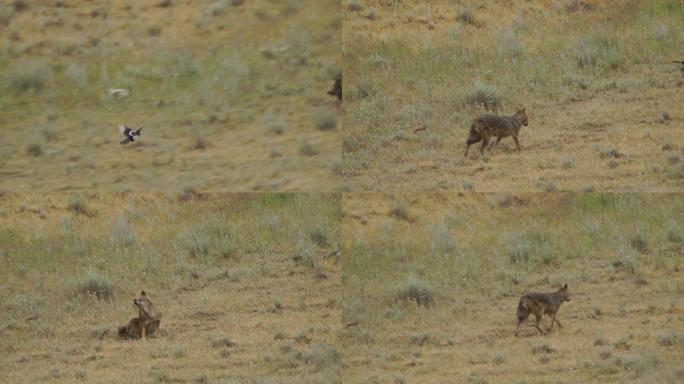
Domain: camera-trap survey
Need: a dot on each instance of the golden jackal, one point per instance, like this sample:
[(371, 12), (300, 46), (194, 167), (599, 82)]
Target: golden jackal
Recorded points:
[(541, 304), (487, 126), (147, 322)]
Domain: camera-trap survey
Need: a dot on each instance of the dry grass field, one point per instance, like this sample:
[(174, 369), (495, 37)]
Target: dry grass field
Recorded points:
[(247, 286), (468, 258), (231, 95), (603, 97)]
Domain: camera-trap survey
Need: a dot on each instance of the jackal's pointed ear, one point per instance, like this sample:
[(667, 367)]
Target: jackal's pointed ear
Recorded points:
[(565, 286), (142, 293)]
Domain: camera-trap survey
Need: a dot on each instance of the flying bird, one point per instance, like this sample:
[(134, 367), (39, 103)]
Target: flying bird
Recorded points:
[(129, 133)]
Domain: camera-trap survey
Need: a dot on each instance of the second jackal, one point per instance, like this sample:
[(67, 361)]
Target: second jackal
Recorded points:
[(147, 322), (541, 304), (487, 126)]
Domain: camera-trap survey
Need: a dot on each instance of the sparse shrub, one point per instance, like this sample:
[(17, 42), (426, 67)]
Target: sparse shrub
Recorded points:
[(77, 204), (568, 163), (612, 163), (319, 237), (586, 54), (639, 242), (25, 78), (6, 15), (121, 233), (322, 356), (544, 359), (476, 378), (77, 74), (354, 5), (598, 51), (222, 342), (543, 348), (420, 339), (277, 127), (416, 291), (510, 44), (154, 30), (96, 285), (162, 377), (400, 212), (179, 353), (307, 149), (484, 96), (673, 159), (20, 5), (547, 185), (670, 339), (673, 233), (499, 358), (199, 143), (99, 332), (34, 149), (442, 240), (610, 153), (467, 185), (466, 16), (325, 121), (198, 243), (641, 363), (454, 35), (628, 259)]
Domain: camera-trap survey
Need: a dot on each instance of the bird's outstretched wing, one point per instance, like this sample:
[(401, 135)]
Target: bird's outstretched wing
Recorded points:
[(126, 140), (124, 129), (138, 131)]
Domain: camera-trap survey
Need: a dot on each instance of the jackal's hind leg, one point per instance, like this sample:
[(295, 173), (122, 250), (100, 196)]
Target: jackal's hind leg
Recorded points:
[(557, 322), (495, 143), (485, 141), (538, 320), (517, 144)]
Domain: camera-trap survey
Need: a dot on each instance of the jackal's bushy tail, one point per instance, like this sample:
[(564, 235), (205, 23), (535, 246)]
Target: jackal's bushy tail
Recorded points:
[(474, 136), (522, 309), (123, 330)]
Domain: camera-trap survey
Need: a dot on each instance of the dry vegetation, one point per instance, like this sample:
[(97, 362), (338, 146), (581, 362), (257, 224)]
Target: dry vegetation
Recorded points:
[(228, 92), (603, 98), (432, 283), (248, 286)]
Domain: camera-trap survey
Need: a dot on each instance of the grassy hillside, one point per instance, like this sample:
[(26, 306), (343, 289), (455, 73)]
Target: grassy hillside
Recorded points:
[(603, 98), (248, 287), (432, 283), (231, 95)]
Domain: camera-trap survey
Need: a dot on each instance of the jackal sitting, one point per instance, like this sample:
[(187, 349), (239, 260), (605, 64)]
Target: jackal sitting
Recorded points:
[(132, 330), (147, 322), (541, 304), (487, 126)]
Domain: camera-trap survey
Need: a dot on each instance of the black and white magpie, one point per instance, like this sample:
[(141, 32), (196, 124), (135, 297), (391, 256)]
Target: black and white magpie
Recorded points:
[(129, 133)]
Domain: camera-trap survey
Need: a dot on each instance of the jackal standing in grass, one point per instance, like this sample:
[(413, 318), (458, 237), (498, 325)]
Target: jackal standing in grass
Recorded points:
[(487, 126), (541, 304), (147, 322)]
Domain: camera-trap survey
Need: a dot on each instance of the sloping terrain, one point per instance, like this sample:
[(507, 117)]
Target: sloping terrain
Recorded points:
[(602, 94), (432, 283), (231, 95), (248, 286)]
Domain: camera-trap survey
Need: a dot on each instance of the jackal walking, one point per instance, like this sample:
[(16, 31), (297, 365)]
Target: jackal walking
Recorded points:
[(541, 304), (147, 322), (487, 126)]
